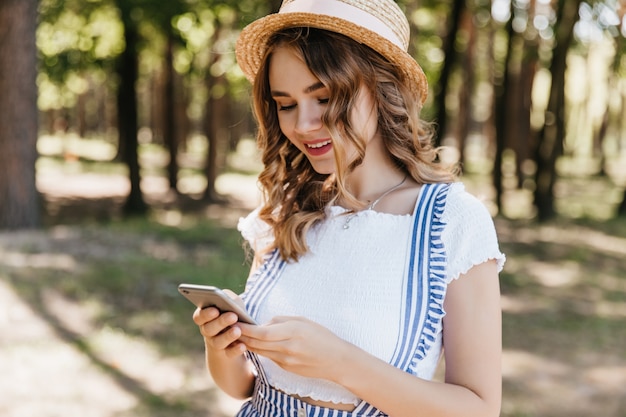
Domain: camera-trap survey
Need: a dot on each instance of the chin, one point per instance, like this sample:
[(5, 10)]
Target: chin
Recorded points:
[(323, 168)]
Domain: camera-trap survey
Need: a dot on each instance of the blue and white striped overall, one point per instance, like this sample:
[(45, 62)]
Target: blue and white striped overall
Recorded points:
[(422, 309)]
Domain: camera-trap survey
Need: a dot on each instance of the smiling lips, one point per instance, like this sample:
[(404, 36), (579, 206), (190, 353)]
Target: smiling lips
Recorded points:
[(319, 148)]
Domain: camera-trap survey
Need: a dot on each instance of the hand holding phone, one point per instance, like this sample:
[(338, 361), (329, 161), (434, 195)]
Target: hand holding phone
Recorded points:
[(203, 296)]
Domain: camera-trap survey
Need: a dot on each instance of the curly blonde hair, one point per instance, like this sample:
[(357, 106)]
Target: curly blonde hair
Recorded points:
[(295, 194)]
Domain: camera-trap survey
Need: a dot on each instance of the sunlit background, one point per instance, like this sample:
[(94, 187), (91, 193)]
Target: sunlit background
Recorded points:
[(145, 159)]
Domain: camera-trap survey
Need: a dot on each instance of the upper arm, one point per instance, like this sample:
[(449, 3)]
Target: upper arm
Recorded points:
[(472, 333)]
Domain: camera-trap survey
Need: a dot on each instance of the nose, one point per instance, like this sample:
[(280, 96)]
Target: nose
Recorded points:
[(309, 119)]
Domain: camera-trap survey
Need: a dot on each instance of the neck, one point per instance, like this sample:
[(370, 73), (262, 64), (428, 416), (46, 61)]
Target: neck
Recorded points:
[(376, 175), (371, 184)]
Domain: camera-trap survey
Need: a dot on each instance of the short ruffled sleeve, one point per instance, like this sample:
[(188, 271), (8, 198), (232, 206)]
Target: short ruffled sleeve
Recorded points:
[(256, 232), (469, 235)]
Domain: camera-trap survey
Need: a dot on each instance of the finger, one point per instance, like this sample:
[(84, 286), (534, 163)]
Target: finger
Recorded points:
[(285, 346), (235, 349), (284, 319), (218, 325), (272, 332), (225, 339), (204, 315)]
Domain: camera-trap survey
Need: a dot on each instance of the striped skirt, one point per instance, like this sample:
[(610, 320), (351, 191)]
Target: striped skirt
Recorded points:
[(269, 402)]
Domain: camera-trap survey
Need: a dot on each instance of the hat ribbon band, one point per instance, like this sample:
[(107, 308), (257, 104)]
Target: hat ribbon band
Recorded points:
[(344, 11)]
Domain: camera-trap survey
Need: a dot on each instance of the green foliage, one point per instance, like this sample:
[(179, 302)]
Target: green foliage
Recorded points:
[(77, 41)]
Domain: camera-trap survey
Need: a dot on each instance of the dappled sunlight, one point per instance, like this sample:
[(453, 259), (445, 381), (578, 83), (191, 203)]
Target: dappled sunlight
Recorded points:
[(77, 308), (244, 187), (563, 274), (521, 305), (584, 237), (57, 261), (74, 317), (570, 235), (40, 369), (141, 361), (168, 251), (116, 370), (86, 185), (72, 146), (576, 389), (172, 218), (564, 309), (522, 364), (610, 309), (606, 377)]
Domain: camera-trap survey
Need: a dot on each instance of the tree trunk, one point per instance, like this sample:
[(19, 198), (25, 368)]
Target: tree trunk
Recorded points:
[(450, 59), (524, 141), (464, 120), (217, 117), (127, 118), (19, 199), (552, 134), (501, 115), (169, 116)]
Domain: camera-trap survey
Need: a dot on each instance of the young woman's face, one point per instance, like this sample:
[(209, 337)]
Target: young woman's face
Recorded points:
[(301, 100)]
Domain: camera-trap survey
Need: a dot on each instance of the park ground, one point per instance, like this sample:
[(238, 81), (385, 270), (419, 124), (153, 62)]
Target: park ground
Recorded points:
[(91, 325)]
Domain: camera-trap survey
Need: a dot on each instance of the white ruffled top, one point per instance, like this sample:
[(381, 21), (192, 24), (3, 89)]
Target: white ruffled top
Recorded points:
[(351, 280)]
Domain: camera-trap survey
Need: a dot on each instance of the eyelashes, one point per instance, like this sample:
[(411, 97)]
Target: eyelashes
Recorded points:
[(293, 106)]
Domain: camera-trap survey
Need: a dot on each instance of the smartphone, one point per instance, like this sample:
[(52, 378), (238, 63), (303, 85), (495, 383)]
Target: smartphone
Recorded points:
[(203, 296)]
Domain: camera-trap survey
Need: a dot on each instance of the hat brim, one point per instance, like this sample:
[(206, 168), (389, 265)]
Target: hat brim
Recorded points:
[(252, 44)]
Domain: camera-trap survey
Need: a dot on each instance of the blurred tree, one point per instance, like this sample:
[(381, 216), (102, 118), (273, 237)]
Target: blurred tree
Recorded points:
[(131, 12), (19, 200), (619, 119), (163, 17), (481, 76), (540, 38), (217, 108), (169, 112), (455, 16), (551, 135), (501, 115), (229, 17), (78, 43), (127, 71)]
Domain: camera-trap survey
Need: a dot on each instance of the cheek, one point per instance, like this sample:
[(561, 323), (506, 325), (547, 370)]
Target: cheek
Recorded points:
[(365, 121), (285, 126)]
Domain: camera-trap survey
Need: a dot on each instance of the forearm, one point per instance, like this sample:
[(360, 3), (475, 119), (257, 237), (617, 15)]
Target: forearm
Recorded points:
[(400, 394), (233, 375)]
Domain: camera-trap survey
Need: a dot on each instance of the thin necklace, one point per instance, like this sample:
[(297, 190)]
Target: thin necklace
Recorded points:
[(346, 225)]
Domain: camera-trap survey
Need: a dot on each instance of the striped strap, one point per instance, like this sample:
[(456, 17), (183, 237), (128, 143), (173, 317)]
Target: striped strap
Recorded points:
[(422, 306)]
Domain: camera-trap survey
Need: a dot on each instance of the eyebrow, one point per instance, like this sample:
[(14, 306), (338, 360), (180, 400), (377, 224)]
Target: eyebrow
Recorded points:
[(308, 90)]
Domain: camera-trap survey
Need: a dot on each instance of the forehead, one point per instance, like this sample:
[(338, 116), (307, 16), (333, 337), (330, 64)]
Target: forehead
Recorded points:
[(287, 70)]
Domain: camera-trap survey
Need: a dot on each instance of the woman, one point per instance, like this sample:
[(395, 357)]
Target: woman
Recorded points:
[(368, 257)]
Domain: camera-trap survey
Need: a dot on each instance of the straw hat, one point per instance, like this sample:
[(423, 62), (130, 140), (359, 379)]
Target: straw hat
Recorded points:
[(379, 24)]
